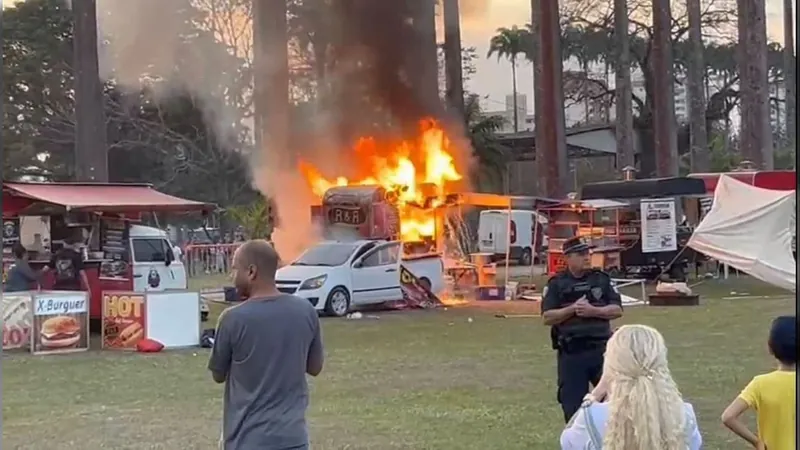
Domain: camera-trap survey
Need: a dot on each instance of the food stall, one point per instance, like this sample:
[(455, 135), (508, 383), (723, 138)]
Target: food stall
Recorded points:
[(597, 222), (657, 224), (42, 215), (478, 268)]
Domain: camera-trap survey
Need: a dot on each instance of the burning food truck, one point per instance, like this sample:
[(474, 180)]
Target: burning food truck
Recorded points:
[(380, 230)]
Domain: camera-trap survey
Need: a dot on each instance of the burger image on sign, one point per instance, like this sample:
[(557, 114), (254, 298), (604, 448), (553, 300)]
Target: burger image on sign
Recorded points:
[(60, 332)]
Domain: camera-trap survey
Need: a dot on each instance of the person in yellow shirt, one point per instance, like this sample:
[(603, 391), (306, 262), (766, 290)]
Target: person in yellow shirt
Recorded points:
[(771, 395)]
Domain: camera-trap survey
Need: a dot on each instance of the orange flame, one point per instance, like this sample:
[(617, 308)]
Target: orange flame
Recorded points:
[(416, 171)]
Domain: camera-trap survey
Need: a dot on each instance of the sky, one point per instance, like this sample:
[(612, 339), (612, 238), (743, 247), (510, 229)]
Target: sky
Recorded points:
[(493, 78)]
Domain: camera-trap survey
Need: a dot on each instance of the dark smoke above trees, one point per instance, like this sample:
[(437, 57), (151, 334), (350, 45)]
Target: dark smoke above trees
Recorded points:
[(162, 130)]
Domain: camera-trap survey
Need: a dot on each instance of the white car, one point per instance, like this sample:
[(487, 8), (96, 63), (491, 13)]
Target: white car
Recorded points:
[(337, 276)]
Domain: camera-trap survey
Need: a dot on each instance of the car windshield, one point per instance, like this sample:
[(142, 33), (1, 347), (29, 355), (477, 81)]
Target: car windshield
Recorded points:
[(330, 254)]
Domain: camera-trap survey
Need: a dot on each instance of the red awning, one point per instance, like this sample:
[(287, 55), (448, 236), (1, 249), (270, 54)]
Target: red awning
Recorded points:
[(99, 197), (776, 180)]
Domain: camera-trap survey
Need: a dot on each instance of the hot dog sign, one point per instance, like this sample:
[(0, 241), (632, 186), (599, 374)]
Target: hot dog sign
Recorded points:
[(123, 320)]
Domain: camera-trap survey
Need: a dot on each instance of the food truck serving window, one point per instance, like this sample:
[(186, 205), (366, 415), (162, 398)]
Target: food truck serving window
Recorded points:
[(149, 249)]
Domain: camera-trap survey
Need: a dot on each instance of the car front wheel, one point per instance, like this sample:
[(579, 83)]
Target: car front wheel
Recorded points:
[(338, 302)]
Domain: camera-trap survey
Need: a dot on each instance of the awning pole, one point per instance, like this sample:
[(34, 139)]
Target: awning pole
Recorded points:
[(508, 242)]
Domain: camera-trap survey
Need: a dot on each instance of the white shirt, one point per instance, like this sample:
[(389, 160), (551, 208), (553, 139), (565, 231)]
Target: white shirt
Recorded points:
[(576, 435)]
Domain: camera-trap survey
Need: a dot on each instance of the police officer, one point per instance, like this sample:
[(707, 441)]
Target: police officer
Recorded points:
[(578, 304)]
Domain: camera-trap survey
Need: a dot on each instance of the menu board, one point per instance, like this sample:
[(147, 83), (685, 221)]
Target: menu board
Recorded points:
[(113, 241), (659, 225), (10, 231), (60, 322)]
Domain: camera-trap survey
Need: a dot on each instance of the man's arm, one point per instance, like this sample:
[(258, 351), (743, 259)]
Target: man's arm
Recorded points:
[(77, 263), (28, 272), (222, 353), (316, 356), (551, 313)]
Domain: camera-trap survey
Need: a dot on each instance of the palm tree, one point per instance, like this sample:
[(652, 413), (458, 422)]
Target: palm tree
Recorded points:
[(624, 88), (271, 75), (698, 134), (452, 55), (756, 138), (790, 74), (91, 153), (509, 43), (491, 156)]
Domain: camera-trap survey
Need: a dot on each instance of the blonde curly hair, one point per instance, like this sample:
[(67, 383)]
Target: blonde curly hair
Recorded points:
[(646, 410)]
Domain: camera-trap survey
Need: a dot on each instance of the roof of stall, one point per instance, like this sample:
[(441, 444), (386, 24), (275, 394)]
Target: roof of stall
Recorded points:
[(645, 188), (600, 203), (503, 201), (96, 197)]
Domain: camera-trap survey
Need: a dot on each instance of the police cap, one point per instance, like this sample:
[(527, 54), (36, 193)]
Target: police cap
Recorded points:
[(574, 245)]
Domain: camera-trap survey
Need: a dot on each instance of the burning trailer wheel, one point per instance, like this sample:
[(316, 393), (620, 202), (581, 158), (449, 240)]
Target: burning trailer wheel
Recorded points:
[(338, 302), (425, 282)]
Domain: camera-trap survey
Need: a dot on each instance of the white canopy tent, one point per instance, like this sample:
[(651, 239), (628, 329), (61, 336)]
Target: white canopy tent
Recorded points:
[(748, 228)]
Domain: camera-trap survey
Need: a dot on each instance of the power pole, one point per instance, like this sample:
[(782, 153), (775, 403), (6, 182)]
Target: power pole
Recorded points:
[(91, 152)]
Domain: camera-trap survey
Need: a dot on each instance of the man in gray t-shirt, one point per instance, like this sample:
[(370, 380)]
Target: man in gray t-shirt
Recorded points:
[(263, 350)]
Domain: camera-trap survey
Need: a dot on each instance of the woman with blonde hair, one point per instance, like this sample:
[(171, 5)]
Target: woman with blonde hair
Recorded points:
[(636, 405)]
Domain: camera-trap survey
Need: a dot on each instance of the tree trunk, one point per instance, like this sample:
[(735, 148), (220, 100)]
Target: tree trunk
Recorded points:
[(698, 134), (452, 57), (623, 89), (551, 146), (514, 93), (606, 104), (756, 132), (663, 100), (91, 152), (585, 91), (428, 69), (790, 75), (271, 81)]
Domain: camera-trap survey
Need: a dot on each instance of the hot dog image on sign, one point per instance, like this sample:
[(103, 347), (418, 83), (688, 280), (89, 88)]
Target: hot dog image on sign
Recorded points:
[(60, 323), (123, 320)]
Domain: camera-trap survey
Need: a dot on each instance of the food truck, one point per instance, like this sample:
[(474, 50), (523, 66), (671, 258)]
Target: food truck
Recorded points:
[(656, 225), (119, 253)]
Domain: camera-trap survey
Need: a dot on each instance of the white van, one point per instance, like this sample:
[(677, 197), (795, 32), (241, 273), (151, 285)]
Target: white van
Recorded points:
[(526, 226), (157, 265)]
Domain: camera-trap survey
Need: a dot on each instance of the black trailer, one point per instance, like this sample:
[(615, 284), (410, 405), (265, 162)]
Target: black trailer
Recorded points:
[(634, 262)]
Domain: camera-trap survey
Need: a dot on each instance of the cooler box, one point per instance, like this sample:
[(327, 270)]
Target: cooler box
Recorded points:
[(487, 293)]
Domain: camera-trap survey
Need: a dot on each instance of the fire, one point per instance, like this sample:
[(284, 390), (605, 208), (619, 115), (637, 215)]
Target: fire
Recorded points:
[(417, 172)]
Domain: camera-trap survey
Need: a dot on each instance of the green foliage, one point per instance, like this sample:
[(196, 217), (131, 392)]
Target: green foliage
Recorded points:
[(160, 132), (256, 218), (508, 43), (491, 156)]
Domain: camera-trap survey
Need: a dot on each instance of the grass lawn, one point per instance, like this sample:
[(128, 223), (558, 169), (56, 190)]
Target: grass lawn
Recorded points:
[(407, 380)]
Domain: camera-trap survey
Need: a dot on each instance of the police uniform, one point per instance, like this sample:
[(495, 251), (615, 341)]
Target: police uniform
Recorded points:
[(580, 341)]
